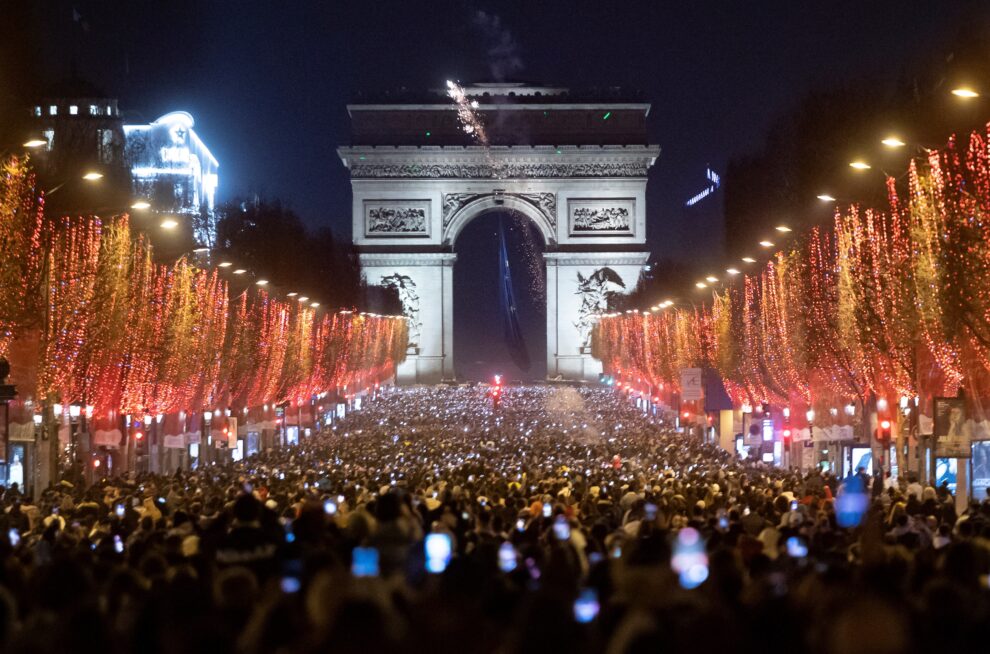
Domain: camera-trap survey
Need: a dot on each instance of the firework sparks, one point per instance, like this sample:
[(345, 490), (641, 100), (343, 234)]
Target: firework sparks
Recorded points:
[(472, 124), (467, 113), (532, 254)]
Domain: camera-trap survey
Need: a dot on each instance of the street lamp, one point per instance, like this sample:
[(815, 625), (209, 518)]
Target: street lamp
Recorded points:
[(783, 229), (859, 164), (92, 176), (169, 223), (749, 260), (766, 244), (893, 142), (141, 205), (35, 143), (825, 197), (965, 92)]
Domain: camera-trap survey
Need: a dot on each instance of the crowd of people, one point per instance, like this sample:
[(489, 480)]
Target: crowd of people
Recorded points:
[(565, 520)]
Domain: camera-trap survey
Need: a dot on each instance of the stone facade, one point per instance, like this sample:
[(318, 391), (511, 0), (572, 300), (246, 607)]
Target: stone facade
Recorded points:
[(588, 202)]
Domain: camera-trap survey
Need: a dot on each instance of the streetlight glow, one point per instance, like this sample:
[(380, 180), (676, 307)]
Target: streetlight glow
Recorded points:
[(965, 92), (711, 278), (141, 205), (701, 285), (825, 197), (303, 298), (168, 223), (732, 271), (860, 165), (92, 176), (262, 282), (292, 294), (783, 228), (893, 142), (766, 244), (239, 271), (315, 304), (35, 143), (749, 259), (224, 264)]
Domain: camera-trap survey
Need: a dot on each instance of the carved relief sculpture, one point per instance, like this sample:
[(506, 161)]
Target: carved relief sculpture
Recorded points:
[(599, 292), (545, 203), (513, 170), (409, 297), (601, 217), (396, 219)]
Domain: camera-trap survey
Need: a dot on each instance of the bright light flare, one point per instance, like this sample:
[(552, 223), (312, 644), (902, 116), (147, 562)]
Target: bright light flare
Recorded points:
[(766, 244), (168, 223), (141, 205), (965, 92), (825, 197), (749, 260), (92, 176), (783, 229), (732, 271), (860, 165), (35, 143), (893, 142)]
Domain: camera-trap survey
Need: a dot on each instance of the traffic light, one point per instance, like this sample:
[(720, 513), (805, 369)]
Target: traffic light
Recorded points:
[(140, 442), (883, 433)]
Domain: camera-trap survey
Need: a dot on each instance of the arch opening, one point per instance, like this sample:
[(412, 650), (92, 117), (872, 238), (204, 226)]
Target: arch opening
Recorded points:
[(484, 342)]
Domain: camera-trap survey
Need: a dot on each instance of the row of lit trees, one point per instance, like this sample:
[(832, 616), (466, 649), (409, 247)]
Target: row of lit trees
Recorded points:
[(87, 318), (885, 304)]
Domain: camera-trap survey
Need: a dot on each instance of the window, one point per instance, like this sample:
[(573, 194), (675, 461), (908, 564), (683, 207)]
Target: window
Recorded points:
[(37, 111), (104, 145), (73, 110), (53, 110), (94, 110), (50, 137), (109, 111)]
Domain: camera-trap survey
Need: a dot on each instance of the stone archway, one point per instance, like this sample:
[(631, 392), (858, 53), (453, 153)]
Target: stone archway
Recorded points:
[(410, 202)]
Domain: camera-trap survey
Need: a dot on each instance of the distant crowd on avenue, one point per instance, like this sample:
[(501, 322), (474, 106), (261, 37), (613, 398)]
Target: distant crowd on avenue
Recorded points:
[(565, 520)]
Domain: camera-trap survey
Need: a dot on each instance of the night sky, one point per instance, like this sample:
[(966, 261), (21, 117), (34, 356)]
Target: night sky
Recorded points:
[(267, 82)]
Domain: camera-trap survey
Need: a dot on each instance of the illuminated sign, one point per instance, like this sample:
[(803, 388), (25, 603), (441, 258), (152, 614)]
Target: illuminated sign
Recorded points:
[(714, 181)]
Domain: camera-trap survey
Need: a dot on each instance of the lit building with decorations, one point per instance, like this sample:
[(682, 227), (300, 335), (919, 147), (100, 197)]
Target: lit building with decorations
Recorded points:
[(173, 170), (164, 163)]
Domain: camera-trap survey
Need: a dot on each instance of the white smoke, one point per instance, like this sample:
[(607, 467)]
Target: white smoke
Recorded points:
[(503, 50)]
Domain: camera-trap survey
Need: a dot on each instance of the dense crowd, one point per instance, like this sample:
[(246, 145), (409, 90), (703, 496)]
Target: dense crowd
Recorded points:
[(564, 521)]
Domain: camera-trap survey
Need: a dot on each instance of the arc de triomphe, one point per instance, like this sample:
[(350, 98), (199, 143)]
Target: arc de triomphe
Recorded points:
[(575, 167)]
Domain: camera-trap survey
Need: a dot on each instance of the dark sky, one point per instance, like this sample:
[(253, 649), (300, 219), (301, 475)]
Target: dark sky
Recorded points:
[(268, 81)]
